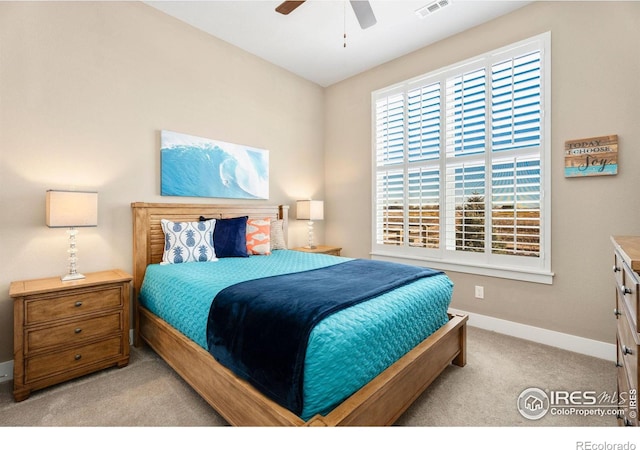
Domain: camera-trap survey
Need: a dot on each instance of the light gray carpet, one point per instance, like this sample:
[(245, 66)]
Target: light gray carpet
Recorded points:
[(147, 393)]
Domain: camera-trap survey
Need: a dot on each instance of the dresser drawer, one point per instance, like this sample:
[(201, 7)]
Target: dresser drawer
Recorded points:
[(72, 333), (45, 308), (71, 359), (624, 416), (627, 396), (629, 289), (627, 346)]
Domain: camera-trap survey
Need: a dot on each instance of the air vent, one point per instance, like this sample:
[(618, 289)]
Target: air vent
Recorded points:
[(431, 8)]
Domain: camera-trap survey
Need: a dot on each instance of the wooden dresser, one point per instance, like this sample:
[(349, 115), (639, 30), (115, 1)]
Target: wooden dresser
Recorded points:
[(63, 330), (626, 267)]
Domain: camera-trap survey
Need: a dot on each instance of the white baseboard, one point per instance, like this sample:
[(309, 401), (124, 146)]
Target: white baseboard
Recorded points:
[(564, 341)]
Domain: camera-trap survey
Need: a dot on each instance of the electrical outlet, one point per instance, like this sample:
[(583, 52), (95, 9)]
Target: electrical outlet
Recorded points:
[(479, 291)]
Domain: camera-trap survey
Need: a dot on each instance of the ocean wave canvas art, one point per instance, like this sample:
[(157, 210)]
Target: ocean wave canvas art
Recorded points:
[(193, 166)]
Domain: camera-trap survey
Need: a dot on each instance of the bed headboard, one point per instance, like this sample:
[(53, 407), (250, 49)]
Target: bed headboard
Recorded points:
[(148, 238)]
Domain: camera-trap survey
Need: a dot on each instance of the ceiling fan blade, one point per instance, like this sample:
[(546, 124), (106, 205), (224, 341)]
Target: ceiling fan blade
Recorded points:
[(287, 7), (364, 13)]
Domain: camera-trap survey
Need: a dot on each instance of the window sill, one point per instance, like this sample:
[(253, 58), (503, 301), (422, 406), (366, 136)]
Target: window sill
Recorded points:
[(531, 276)]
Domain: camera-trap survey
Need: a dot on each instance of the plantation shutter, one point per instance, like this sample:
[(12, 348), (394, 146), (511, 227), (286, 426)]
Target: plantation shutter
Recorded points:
[(390, 143), (459, 169), (466, 118), (423, 169), (516, 183)]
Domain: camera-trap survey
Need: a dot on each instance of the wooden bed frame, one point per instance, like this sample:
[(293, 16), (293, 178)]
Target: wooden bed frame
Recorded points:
[(380, 402)]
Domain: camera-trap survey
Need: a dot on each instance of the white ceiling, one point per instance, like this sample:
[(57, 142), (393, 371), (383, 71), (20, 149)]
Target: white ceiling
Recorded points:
[(310, 41)]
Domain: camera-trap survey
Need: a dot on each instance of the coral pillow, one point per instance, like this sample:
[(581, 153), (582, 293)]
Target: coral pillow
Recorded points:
[(259, 236)]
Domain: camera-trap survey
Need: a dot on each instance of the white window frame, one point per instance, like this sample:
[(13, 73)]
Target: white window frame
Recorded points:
[(523, 268)]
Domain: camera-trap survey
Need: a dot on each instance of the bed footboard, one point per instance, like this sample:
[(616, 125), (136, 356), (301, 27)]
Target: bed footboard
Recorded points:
[(381, 402)]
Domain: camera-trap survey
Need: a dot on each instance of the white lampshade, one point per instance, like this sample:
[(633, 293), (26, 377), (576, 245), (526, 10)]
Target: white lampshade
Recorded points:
[(310, 210), (71, 209)]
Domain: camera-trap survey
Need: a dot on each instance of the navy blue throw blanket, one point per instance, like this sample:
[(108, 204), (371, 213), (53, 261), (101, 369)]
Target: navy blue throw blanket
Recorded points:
[(259, 329)]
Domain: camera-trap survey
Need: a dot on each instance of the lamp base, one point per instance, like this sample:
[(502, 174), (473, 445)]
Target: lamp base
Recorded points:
[(73, 259), (311, 244), (72, 277)]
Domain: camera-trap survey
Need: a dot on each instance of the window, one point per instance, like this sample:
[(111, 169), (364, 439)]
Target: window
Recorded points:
[(461, 163)]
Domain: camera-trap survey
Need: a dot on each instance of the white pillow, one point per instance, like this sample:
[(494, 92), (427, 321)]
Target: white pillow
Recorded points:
[(188, 241)]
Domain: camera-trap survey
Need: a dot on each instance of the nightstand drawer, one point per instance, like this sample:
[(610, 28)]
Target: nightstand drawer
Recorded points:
[(72, 333), (46, 308), (71, 359)]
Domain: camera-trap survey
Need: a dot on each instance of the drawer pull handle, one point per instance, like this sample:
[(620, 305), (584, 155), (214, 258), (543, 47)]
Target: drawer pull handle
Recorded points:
[(77, 357), (78, 304), (626, 350), (77, 330), (625, 290), (616, 312), (616, 268)]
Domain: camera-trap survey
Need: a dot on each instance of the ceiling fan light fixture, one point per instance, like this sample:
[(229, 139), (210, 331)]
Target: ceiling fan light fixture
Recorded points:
[(431, 8)]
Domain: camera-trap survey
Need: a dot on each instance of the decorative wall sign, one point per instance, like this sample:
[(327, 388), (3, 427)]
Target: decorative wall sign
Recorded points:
[(591, 156), (192, 166)]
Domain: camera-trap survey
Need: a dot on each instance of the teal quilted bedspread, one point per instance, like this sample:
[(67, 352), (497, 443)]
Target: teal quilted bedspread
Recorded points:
[(345, 350)]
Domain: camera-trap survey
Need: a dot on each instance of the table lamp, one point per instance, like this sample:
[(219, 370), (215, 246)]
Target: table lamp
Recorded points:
[(310, 210), (72, 209)]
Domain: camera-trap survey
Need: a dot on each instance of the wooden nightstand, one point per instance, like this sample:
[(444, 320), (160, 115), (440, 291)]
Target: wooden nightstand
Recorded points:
[(325, 249), (62, 330)]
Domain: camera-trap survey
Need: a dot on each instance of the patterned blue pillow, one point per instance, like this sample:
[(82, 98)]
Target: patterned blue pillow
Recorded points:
[(188, 241), (230, 237)]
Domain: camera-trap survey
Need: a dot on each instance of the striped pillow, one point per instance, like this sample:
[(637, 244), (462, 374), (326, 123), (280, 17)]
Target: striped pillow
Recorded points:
[(277, 235)]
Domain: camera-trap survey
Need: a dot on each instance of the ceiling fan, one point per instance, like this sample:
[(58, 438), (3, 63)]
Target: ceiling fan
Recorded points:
[(361, 8)]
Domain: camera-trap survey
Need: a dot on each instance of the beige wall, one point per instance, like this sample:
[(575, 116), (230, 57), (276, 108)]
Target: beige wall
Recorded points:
[(85, 89), (595, 73)]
